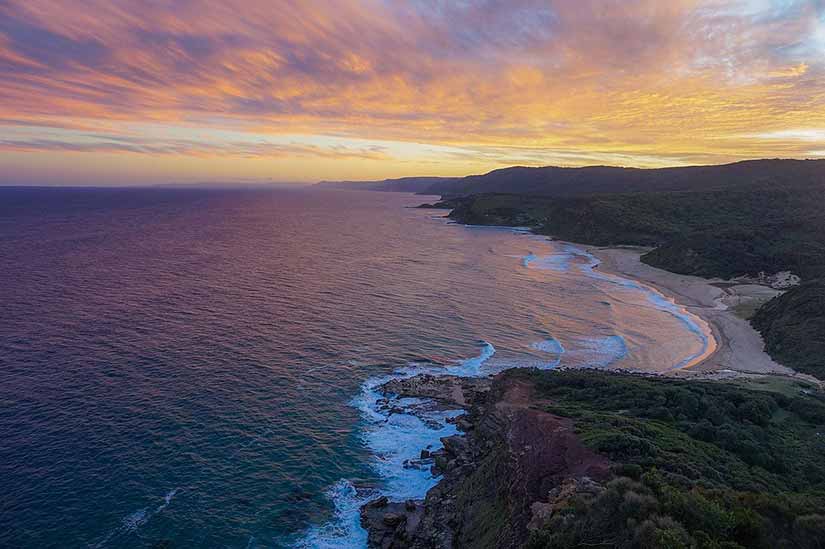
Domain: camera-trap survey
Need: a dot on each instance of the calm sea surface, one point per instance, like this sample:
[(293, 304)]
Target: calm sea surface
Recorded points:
[(193, 368)]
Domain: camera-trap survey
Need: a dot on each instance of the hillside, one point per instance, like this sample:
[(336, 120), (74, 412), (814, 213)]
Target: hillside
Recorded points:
[(695, 464), (712, 234), (555, 181), (793, 326)]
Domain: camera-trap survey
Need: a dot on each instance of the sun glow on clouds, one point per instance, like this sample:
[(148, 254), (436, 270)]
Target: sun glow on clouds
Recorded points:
[(301, 90)]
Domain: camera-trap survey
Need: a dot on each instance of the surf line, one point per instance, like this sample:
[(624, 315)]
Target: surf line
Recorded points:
[(693, 322), (395, 431)]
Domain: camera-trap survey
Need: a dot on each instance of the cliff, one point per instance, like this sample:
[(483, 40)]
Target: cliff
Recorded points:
[(582, 458)]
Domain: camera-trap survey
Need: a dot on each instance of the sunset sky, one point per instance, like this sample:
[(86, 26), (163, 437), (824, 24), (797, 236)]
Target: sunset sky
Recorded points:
[(128, 91)]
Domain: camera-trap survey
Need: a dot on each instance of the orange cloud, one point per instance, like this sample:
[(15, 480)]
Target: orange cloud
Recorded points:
[(640, 82)]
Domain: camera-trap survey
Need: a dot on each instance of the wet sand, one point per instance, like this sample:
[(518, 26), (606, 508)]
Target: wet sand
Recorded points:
[(739, 348)]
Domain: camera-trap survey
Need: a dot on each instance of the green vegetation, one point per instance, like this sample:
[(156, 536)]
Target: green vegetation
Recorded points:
[(713, 234), (790, 387), (793, 326), (705, 465), (695, 465)]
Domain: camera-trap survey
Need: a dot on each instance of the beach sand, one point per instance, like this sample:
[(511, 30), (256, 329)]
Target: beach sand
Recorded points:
[(739, 348)]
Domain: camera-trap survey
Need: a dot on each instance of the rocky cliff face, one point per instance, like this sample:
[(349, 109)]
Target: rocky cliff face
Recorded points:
[(505, 476)]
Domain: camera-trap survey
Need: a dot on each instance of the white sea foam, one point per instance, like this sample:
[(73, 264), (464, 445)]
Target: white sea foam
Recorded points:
[(655, 298), (599, 352), (344, 530), (167, 499), (472, 367), (551, 345), (395, 431), (559, 261), (133, 521)]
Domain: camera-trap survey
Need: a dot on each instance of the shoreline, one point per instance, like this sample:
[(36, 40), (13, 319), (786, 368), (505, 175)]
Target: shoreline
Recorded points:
[(734, 348), (694, 322), (739, 347), (505, 421)]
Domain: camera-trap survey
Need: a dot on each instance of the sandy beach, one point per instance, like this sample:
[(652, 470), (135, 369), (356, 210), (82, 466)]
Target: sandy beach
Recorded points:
[(739, 348)]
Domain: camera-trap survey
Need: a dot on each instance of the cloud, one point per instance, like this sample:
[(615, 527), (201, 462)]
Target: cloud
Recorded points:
[(238, 149), (808, 135), (630, 80)]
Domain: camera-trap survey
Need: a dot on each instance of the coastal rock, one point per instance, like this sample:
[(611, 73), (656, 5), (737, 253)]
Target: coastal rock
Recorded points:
[(463, 424), (393, 519), (783, 280), (440, 205), (529, 461), (415, 464), (390, 525), (456, 445), (449, 391), (379, 503)]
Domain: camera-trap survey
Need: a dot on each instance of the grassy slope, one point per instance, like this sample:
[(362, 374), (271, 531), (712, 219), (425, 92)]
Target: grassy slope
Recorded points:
[(697, 464)]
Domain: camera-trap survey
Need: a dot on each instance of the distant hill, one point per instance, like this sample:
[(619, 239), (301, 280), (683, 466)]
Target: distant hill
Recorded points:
[(403, 184), (555, 181)]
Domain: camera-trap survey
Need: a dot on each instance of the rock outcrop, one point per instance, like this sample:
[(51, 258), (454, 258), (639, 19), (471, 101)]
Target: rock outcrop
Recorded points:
[(513, 466)]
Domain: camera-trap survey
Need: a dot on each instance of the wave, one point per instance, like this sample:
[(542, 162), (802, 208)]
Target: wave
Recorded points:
[(167, 499), (396, 430), (471, 367), (551, 346), (600, 352), (529, 258), (562, 261), (660, 302), (133, 521), (559, 261), (344, 530)]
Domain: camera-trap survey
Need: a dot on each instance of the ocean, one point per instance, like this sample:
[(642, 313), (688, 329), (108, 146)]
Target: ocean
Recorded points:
[(196, 368)]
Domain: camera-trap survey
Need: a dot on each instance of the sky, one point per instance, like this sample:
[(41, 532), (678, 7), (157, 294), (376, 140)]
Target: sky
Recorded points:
[(109, 92)]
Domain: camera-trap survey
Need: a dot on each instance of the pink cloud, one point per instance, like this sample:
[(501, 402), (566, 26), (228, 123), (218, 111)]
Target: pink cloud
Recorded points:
[(637, 76)]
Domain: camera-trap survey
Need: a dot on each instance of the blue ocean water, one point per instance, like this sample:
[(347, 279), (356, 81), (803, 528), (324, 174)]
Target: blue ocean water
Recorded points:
[(195, 368)]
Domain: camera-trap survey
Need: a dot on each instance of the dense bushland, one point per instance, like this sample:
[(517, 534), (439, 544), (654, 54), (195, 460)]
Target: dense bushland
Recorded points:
[(696, 464)]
